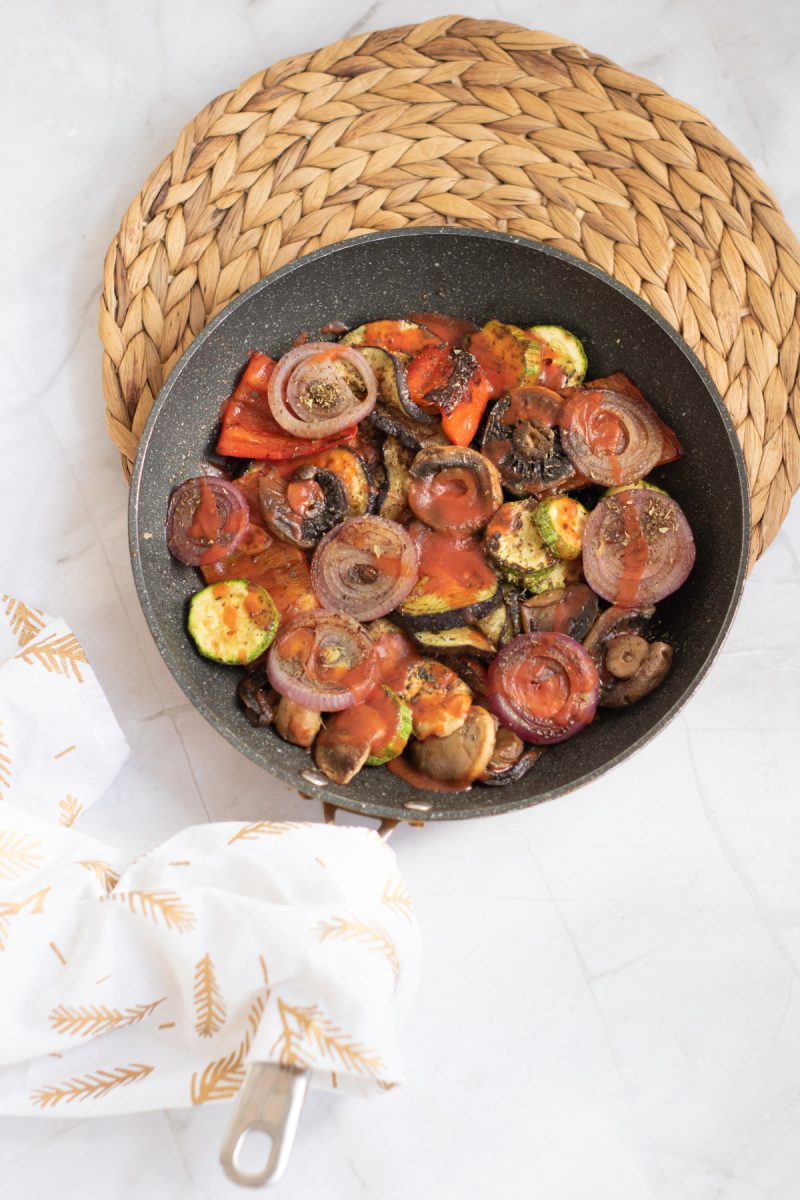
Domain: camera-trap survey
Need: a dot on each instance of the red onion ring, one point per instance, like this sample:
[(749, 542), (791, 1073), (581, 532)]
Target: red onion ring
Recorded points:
[(611, 437), (207, 518), (637, 547), (324, 661), (321, 388), (364, 567), (544, 687)]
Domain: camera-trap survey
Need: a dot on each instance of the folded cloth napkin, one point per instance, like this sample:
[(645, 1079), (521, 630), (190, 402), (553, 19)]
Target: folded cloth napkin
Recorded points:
[(151, 984), (60, 745)]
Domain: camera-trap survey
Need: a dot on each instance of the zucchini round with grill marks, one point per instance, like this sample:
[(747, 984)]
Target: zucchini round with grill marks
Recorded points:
[(562, 351), (232, 622), (514, 543)]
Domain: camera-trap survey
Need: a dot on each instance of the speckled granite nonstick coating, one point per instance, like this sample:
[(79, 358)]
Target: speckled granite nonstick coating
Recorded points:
[(479, 275)]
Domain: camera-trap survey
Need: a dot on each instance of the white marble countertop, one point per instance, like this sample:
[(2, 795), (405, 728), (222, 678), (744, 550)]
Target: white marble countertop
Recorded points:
[(609, 1006)]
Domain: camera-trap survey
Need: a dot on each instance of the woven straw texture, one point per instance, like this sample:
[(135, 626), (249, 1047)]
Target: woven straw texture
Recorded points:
[(482, 124)]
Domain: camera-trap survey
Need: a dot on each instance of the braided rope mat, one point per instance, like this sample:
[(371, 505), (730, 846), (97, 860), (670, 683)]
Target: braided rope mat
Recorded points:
[(475, 123)]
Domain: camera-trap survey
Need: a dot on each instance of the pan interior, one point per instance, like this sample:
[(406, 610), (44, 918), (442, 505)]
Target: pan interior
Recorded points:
[(477, 275)]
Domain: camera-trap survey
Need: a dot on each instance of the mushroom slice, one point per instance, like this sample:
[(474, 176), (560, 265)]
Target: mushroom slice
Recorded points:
[(340, 761), (461, 757), (301, 509), (258, 698), (522, 440), (650, 674), (454, 489), (611, 623), (296, 723), (510, 759), (571, 610)]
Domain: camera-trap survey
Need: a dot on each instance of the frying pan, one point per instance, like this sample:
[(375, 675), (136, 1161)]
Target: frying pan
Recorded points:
[(479, 275)]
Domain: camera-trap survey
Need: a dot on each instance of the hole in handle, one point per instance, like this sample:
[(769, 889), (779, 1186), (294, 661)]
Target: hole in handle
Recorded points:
[(252, 1155)]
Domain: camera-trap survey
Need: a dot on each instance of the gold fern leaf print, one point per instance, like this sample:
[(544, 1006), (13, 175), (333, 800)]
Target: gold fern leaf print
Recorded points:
[(307, 1035), (257, 829), (90, 1087), (209, 1007), (18, 855), (105, 875), (161, 907), (5, 765), (8, 909), (26, 623), (92, 1020), (58, 655), (398, 900), (372, 937), (221, 1079), (69, 809)]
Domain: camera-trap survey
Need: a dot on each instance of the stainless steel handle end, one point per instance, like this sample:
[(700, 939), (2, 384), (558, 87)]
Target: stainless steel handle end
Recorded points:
[(270, 1101)]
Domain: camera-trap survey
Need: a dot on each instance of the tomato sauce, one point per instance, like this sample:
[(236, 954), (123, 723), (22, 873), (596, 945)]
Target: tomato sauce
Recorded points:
[(451, 499), (302, 495), (405, 770), (452, 330), (451, 567), (280, 568), (635, 554)]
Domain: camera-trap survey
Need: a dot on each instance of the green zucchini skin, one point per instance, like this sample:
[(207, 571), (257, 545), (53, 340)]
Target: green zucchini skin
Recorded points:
[(560, 521), (232, 622), (569, 351), (516, 547), (402, 732)]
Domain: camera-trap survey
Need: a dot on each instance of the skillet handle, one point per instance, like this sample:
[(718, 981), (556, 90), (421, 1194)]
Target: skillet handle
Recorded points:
[(385, 829), (270, 1101)]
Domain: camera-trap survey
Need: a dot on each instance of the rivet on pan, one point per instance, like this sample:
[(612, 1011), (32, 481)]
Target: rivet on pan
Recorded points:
[(313, 778), (418, 805)]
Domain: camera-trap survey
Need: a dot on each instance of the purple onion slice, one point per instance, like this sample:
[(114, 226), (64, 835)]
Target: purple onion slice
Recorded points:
[(544, 687), (637, 548), (324, 661), (610, 437), (364, 567), (207, 518), (320, 388)]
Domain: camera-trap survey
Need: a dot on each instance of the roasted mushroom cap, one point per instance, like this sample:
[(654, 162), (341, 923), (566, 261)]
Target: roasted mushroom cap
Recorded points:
[(258, 698), (571, 610), (629, 666), (340, 761), (652, 671), (296, 723), (510, 759), (304, 507), (454, 489), (461, 756), (523, 441), (412, 433)]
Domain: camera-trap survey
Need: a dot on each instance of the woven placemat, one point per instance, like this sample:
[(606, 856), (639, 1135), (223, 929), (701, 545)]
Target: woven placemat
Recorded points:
[(475, 123)]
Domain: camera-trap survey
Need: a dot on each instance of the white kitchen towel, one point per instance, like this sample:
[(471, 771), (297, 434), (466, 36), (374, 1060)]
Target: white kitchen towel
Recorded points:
[(151, 984), (60, 744)]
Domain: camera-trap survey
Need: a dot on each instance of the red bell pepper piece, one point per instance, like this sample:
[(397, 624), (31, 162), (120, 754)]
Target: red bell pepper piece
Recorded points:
[(249, 429), (461, 425)]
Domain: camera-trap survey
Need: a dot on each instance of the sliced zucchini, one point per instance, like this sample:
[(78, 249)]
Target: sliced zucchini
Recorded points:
[(390, 373), (561, 520), (460, 640), (514, 543), (569, 353), (628, 487), (438, 699), (404, 337), (447, 607), (492, 625), (232, 622), (565, 571), (397, 458), (397, 736), (510, 356)]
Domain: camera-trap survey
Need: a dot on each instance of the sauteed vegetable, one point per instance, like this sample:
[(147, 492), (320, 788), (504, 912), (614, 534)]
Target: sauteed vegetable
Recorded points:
[(433, 546)]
